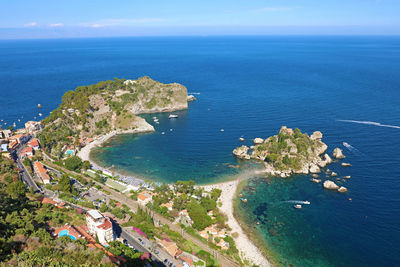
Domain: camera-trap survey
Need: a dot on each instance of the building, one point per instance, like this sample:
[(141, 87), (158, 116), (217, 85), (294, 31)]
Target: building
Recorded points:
[(144, 198), (100, 226), (168, 205), (170, 247), (26, 152), (41, 172), (33, 126), (184, 218), (20, 138), (5, 134), (34, 143)]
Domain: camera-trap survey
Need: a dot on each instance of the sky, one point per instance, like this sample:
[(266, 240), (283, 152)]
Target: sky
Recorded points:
[(100, 18)]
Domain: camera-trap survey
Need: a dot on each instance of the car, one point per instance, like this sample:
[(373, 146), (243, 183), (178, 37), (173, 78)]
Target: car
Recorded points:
[(156, 252)]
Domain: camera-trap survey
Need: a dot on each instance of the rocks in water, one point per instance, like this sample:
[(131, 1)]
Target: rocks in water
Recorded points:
[(347, 177), (330, 185), (346, 164), (317, 181), (342, 189), (333, 174), (314, 168), (325, 160), (258, 141), (241, 139), (338, 153), (317, 135), (191, 98), (241, 152), (252, 147), (315, 175)]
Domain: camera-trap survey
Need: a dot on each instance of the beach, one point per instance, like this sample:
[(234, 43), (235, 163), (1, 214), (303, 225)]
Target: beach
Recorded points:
[(247, 249)]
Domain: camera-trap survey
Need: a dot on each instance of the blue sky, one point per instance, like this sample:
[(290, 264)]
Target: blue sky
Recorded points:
[(88, 18)]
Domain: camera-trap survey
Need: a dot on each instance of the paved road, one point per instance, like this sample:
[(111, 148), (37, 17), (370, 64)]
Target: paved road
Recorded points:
[(25, 176), (223, 259)]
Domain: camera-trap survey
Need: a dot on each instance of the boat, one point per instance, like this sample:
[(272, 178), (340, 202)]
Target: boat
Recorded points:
[(297, 206), (163, 133), (172, 116), (258, 223), (244, 200), (222, 130), (307, 202), (40, 114)]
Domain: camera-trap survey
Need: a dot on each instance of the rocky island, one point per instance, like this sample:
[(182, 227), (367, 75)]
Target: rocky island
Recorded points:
[(107, 107), (289, 152)]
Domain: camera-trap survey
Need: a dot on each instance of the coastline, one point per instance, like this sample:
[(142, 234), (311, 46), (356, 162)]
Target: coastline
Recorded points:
[(247, 248), (84, 152)]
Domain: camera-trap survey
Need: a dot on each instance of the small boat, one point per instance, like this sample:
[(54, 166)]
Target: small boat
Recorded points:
[(222, 130), (297, 206), (307, 202), (154, 118), (40, 114), (163, 133), (172, 116), (258, 223), (39, 105), (244, 200)]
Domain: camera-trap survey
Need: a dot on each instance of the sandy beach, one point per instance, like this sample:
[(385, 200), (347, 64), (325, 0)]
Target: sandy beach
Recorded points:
[(247, 249)]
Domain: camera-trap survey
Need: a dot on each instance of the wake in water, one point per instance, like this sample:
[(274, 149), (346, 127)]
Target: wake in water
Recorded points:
[(297, 202), (372, 123), (193, 93), (352, 148)]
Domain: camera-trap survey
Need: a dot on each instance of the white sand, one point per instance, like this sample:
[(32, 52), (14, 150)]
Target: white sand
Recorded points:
[(247, 249)]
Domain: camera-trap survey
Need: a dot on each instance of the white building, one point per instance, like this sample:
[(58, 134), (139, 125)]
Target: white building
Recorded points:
[(99, 225), (33, 126)]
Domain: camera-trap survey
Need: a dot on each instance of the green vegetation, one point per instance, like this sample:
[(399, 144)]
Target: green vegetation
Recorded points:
[(132, 257)]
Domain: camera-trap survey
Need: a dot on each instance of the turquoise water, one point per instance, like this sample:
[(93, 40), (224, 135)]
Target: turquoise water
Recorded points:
[(66, 232), (250, 87)]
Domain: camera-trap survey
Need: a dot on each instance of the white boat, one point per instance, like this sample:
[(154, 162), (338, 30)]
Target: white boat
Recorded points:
[(40, 114), (297, 206), (172, 116), (307, 202), (222, 130), (163, 133)]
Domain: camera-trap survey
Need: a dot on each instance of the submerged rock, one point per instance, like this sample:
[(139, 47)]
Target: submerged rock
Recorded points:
[(241, 139), (346, 164), (347, 176), (338, 153), (333, 174), (330, 185), (317, 181)]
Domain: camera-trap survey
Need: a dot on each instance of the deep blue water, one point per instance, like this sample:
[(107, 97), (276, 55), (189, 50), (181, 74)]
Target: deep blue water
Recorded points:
[(250, 86)]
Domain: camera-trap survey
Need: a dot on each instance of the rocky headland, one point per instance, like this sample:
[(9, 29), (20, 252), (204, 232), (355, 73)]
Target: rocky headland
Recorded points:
[(289, 152)]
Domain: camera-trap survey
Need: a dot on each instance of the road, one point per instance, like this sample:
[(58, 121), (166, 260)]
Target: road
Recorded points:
[(25, 175), (133, 205)]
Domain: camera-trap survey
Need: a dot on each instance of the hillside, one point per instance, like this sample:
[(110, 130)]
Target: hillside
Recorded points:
[(108, 106), (288, 152)]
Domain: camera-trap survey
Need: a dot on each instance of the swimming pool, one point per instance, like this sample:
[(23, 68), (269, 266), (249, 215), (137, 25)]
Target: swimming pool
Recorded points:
[(66, 232), (69, 152)]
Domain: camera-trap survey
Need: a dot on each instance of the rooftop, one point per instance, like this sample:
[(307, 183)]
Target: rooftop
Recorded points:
[(95, 214)]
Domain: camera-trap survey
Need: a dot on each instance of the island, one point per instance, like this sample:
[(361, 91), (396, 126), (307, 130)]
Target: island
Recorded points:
[(289, 152)]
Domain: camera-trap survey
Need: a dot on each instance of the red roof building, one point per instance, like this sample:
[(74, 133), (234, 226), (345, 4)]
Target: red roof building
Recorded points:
[(34, 143), (41, 172)]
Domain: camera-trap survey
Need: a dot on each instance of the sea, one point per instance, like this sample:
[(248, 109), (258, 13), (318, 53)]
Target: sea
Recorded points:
[(347, 87)]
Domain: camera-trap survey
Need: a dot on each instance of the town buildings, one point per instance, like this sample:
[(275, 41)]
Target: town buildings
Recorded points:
[(100, 226), (41, 172)]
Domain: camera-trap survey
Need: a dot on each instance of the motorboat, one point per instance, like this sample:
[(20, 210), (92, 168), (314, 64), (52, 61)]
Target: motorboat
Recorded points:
[(297, 206), (173, 116)]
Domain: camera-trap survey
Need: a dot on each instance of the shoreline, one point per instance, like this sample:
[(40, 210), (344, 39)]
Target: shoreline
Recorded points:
[(247, 248), (245, 245)]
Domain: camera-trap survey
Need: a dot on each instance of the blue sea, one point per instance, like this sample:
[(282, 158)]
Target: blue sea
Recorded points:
[(346, 87)]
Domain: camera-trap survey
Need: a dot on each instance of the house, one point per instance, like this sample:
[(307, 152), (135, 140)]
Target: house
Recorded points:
[(184, 218), (20, 138), (5, 134), (26, 152), (13, 144), (33, 126), (41, 172), (168, 205), (223, 244), (170, 247), (144, 198), (34, 143), (100, 226)]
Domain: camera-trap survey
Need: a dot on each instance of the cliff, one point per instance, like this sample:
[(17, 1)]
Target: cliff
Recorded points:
[(288, 152), (106, 107)]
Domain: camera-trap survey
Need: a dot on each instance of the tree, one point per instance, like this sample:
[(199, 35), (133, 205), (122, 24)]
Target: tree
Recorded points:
[(16, 189), (208, 203), (199, 215), (73, 163), (65, 184)]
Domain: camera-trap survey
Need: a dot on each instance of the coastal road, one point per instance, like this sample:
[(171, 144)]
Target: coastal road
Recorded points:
[(25, 176), (132, 204)]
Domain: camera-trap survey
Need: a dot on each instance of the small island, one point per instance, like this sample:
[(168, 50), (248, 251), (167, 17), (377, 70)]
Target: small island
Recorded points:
[(289, 152)]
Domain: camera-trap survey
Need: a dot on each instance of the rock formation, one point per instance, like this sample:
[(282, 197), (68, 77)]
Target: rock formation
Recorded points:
[(338, 153), (342, 189), (330, 185), (241, 152)]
